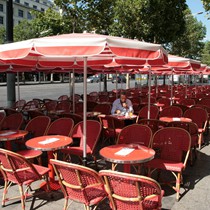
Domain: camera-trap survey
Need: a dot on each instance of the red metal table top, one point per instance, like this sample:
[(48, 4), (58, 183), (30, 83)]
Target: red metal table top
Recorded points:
[(49, 143), (127, 153), (9, 135), (122, 117), (173, 119)]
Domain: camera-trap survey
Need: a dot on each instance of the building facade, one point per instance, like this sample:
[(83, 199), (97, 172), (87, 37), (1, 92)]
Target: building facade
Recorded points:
[(22, 8)]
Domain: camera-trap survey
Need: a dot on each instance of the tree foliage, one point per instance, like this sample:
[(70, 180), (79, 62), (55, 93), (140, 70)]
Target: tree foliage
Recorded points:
[(206, 4), (73, 12), (2, 34), (45, 24), (190, 44), (99, 15), (159, 21), (205, 57)]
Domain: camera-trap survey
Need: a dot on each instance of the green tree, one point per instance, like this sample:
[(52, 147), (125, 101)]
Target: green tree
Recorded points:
[(99, 15), (206, 4), (25, 30), (190, 44), (2, 34), (48, 23), (45, 23), (205, 57), (158, 21), (73, 13)]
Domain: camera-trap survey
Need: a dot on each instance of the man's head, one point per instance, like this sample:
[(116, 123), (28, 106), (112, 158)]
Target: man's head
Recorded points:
[(123, 97)]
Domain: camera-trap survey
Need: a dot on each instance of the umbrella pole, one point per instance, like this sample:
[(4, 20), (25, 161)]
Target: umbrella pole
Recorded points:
[(73, 90), (18, 86), (116, 86), (100, 83), (186, 83), (85, 113), (127, 81), (201, 78), (121, 83), (195, 82), (172, 83), (140, 78), (70, 93), (149, 92), (156, 85)]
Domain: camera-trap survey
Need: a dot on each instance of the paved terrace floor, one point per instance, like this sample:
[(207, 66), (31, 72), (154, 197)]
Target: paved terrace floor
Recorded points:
[(195, 191)]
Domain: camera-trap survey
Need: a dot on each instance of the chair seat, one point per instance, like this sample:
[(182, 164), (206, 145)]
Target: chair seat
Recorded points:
[(30, 154), (76, 150), (166, 165), (31, 177), (41, 169), (111, 132)]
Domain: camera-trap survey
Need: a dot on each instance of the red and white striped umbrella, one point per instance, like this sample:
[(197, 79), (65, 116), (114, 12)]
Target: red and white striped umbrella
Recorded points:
[(63, 50), (183, 64)]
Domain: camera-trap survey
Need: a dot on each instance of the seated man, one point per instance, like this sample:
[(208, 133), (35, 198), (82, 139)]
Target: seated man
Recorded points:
[(122, 105)]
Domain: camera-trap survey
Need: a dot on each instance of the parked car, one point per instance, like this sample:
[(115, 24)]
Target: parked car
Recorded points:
[(119, 79), (92, 79)]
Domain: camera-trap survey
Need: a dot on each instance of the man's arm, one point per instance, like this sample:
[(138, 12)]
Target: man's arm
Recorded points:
[(130, 105), (114, 107)]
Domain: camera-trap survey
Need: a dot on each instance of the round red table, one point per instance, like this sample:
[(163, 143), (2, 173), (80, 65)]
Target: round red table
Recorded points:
[(174, 119), (50, 144), (127, 154), (123, 117), (10, 135)]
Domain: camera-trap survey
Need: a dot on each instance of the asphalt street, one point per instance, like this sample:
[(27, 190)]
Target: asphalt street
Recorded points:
[(54, 90)]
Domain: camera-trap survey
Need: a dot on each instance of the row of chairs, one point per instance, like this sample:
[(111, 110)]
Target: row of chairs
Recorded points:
[(197, 114), (172, 145), (82, 184)]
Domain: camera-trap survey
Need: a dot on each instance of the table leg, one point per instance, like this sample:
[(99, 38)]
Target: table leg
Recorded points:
[(8, 145), (127, 168), (54, 185)]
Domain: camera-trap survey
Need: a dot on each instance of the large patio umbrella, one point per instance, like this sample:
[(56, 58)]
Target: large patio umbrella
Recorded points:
[(88, 50), (182, 65)]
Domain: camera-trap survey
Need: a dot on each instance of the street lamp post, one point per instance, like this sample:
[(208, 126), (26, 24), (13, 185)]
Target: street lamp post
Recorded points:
[(9, 39)]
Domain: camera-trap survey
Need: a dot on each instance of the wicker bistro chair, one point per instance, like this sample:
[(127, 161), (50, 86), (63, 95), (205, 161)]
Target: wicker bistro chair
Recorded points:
[(172, 146), (187, 102), (75, 117), (192, 128), (128, 191), (153, 124), (61, 126), (79, 183), (17, 170), (36, 127), (34, 113), (111, 127), (19, 104), (171, 111), (103, 108), (92, 137), (12, 122), (135, 134), (154, 112), (200, 117)]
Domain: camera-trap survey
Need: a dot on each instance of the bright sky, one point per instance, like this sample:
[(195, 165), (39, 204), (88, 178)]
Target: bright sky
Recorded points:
[(197, 6)]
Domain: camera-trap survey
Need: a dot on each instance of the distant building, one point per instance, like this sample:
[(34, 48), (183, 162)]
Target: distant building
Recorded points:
[(22, 8)]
